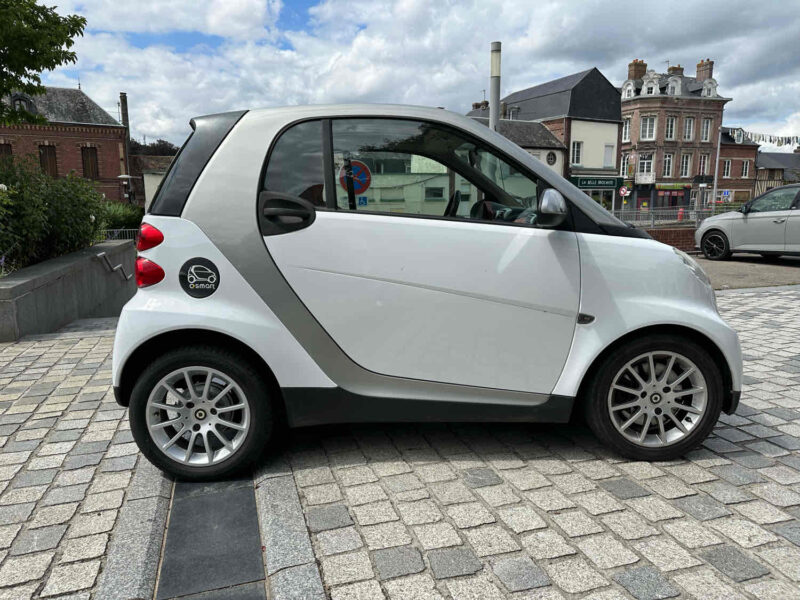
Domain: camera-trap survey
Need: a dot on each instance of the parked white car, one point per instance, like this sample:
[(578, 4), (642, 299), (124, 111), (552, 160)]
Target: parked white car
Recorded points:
[(768, 225), (392, 263)]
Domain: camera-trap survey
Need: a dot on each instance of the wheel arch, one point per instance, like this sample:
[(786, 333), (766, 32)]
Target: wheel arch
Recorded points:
[(729, 402), (176, 338)]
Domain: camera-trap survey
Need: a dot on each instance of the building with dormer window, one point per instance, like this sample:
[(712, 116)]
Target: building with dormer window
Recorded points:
[(669, 134)]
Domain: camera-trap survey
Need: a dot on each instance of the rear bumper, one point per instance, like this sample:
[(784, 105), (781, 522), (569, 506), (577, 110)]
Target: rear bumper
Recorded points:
[(118, 396)]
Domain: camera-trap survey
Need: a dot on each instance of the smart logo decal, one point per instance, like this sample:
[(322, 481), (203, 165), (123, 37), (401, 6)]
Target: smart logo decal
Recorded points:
[(199, 277)]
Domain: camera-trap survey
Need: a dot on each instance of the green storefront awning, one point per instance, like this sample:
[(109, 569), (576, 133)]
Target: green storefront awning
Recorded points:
[(597, 182)]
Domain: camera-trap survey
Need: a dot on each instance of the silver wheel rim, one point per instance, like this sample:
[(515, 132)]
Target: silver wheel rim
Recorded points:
[(657, 399), (714, 245), (198, 416)]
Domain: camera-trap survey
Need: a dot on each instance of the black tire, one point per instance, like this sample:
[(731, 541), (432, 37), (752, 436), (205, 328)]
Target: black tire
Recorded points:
[(596, 407), (256, 393), (715, 245)]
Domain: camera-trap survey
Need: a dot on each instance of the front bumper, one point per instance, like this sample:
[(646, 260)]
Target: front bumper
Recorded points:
[(732, 403)]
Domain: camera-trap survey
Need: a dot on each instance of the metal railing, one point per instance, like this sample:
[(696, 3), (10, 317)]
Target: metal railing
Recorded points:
[(666, 217), (118, 234)]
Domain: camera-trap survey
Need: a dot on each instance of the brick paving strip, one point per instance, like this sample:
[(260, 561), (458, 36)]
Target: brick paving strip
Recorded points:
[(408, 511)]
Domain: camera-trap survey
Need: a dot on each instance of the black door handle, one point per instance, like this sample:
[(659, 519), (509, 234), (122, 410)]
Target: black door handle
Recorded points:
[(282, 213)]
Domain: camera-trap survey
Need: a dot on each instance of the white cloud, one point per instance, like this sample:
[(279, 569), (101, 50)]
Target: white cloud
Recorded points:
[(423, 52)]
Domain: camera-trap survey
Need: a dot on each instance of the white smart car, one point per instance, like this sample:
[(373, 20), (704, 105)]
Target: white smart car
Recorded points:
[(395, 263), (768, 225)]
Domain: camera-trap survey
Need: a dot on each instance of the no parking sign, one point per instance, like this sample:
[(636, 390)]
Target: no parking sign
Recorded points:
[(362, 178)]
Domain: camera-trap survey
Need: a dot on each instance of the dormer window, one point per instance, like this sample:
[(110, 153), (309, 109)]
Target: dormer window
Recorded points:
[(709, 88), (627, 90), (651, 90), (22, 103), (671, 89)]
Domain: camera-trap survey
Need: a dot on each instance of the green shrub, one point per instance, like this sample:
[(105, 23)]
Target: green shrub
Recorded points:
[(121, 216), (42, 217)]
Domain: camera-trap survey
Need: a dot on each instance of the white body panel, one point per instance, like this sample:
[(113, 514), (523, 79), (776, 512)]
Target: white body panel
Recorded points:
[(760, 231), (630, 283), (234, 309), (450, 301), (793, 231)]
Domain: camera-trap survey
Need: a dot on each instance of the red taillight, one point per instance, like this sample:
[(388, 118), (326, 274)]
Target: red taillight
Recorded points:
[(149, 237), (147, 272)]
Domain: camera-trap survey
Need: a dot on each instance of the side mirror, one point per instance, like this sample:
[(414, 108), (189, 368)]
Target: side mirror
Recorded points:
[(745, 209), (552, 209)]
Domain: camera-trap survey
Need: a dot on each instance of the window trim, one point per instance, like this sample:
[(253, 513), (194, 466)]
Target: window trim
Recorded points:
[(655, 128), (671, 156), (673, 120), (705, 134), (688, 166), (745, 169), (686, 122), (727, 165), (626, 129), (572, 153)]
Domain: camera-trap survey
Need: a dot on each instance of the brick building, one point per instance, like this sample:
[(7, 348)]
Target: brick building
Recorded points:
[(582, 110), (79, 137), (737, 166), (669, 134)]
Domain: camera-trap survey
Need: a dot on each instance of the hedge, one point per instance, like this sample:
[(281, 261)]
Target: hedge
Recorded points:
[(43, 217)]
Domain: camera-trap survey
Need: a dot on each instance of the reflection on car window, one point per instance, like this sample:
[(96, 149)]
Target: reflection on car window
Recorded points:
[(295, 165), (410, 167), (780, 199)]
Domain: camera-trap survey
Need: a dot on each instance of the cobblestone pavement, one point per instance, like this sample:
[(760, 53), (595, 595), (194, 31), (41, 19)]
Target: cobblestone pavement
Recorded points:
[(417, 511)]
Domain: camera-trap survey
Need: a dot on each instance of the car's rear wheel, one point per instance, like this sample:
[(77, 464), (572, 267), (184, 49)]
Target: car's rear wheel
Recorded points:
[(715, 246), (655, 398), (201, 413)]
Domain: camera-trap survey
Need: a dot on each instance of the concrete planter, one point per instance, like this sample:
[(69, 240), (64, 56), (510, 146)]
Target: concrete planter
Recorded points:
[(43, 297)]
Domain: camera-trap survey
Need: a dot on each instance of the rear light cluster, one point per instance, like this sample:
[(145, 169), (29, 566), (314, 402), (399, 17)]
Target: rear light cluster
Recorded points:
[(147, 272)]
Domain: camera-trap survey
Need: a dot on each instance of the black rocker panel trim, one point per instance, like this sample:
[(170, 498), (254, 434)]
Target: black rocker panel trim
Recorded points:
[(208, 133), (324, 406)]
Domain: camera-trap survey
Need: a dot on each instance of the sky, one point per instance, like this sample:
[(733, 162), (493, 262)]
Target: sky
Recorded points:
[(178, 59)]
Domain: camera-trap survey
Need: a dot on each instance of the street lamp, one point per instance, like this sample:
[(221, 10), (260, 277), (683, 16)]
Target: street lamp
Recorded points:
[(126, 182)]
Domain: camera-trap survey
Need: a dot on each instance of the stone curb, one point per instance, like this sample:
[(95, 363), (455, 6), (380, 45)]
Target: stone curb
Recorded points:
[(131, 566), (774, 288), (290, 564)]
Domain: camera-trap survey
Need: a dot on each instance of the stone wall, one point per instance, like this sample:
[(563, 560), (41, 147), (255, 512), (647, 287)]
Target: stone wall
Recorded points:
[(43, 297), (681, 238)]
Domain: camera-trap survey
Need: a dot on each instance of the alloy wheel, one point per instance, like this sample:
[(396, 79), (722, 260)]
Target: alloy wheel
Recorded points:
[(198, 416), (714, 245), (657, 399)]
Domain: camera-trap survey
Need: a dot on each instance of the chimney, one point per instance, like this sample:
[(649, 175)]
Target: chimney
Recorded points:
[(705, 69), (675, 70), (484, 104), (797, 150), (637, 69), (476, 105)]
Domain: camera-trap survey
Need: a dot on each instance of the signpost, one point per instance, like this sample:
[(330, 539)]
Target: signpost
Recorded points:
[(362, 178), (624, 191)]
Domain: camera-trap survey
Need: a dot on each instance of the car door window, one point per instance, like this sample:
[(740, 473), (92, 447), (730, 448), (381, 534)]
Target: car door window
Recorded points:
[(296, 164), (407, 167), (775, 200)]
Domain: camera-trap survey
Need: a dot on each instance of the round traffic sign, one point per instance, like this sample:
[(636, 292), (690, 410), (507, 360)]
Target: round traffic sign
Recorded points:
[(362, 178), (624, 191)]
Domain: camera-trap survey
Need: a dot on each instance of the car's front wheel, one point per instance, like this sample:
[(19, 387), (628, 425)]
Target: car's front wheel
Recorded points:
[(715, 246), (655, 398), (201, 413)]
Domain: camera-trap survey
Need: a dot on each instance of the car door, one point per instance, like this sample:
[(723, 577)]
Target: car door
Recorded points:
[(763, 226), (792, 235), (426, 262)]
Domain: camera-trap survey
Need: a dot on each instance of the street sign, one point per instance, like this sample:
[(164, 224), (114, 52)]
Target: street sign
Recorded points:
[(726, 193), (362, 200), (362, 178), (624, 191)]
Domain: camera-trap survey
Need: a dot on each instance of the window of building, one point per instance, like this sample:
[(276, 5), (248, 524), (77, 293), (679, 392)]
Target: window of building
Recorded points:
[(646, 162), (746, 168), (669, 133), (608, 155), (577, 152), (91, 169), (688, 129), (651, 90), (671, 89), (626, 130), (437, 163), (739, 136), (705, 135), (702, 168), (296, 165), (668, 164), (5, 150), (686, 165), (47, 160), (623, 168), (726, 168), (648, 129)]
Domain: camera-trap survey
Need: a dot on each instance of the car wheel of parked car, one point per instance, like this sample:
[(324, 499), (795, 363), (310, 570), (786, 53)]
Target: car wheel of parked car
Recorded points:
[(655, 398), (715, 246), (201, 413)]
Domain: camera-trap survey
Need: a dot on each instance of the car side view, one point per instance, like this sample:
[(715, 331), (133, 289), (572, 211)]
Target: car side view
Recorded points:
[(376, 263), (768, 225)]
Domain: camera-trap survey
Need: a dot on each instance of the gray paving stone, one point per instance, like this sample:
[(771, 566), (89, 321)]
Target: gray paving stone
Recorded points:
[(519, 573), (734, 563), (16, 513), (750, 459), (83, 460), (396, 562), (38, 540), (791, 531), (477, 478), (453, 562), (737, 475), (321, 518), (646, 583), (702, 507), (302, 581), (624, 488), (336, 541)]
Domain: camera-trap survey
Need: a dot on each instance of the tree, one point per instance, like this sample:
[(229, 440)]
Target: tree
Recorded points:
[(33, 39), (158, 148)]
